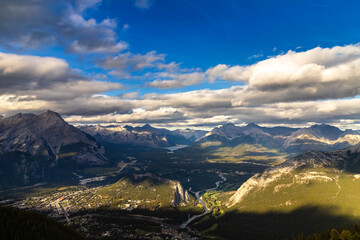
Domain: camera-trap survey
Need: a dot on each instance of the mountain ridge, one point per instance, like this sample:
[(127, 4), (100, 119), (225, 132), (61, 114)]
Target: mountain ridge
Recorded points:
[(294, 140), (30, 145), (145, 136)]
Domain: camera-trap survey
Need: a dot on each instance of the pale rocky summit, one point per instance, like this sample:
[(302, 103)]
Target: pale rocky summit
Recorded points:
[(190, 134)]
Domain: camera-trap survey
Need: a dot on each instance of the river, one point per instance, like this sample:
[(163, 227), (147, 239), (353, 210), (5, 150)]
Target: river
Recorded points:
[(198, 197)]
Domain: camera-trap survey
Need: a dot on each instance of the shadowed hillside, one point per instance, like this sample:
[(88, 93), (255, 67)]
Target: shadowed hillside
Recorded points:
[(26, 225)]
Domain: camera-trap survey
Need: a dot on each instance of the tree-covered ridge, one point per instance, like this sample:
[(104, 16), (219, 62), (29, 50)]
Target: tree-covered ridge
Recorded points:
[(333, 234), (16, 224)]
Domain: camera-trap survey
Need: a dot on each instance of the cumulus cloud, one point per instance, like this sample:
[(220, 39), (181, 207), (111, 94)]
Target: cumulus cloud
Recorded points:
[(86, 105), (31, 72), (207, 116), (216, 72), (282, 89), (89, 35), (32, 24), (201, 100), (201, 108), (319, 73), (45, 78)]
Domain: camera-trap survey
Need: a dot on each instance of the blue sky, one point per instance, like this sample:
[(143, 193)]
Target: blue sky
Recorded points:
[(206, 33), (138, 61)]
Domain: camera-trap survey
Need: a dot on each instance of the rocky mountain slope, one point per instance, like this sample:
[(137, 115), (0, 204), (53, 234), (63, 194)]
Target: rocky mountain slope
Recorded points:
[(313, 192), (327, 181), (310, 167), (145, 136), (31, 144)]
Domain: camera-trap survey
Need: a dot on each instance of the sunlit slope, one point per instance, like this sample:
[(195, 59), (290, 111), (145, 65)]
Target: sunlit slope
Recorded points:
[(248, 153), (313, 192), (326, 178), (144, 191), (338, 191)]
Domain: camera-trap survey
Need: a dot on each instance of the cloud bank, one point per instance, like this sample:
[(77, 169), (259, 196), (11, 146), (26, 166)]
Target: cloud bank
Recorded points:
[(33, 84), (316, 74), (316, 85)]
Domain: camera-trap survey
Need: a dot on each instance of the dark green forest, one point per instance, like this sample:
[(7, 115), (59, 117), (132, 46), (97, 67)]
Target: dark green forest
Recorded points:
[(333, 234), (16, 224)]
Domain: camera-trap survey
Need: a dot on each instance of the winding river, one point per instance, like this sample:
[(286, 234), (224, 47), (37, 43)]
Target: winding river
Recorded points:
[(198, 197)]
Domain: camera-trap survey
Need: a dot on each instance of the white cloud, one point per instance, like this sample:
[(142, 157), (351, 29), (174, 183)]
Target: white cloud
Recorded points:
[(216, 72), (31, 72), (178, 80), (46, 78), (90, 36), (34, 84), (319, 73), (41, 23)]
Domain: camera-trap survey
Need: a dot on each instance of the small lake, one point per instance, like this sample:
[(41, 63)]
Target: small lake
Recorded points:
[(174, 148)]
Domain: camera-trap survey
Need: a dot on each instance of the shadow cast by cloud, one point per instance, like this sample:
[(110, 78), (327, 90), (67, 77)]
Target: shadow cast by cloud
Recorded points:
[(276, 225)]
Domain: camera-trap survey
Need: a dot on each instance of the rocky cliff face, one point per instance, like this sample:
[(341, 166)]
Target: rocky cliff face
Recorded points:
[(30, 144), (180, 195)]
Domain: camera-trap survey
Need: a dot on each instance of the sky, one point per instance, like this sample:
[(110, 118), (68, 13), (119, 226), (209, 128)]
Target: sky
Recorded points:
[(182, 63)]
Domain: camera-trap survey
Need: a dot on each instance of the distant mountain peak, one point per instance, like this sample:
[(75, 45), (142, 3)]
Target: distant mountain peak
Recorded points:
[(324, 125), (20, 115), (147, 126), (229, 124), (253, 125), (50, 113)]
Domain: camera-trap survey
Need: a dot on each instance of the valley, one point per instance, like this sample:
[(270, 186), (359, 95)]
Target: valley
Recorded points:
[(90, 205), (195, 190)]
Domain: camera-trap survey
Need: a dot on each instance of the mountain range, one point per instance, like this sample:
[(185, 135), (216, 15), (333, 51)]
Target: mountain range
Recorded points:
[(145, 136), (321, 137), (232, 143), (292, 140), (31, 145)]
